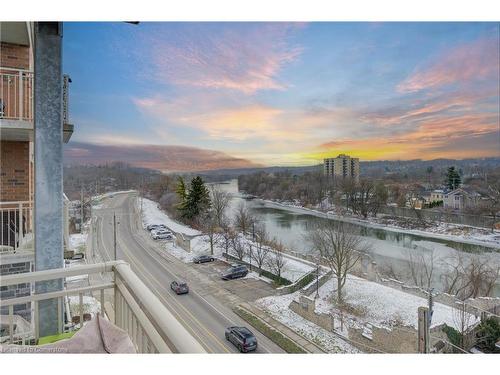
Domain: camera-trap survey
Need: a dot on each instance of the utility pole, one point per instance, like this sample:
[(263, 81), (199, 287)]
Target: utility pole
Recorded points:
[(317, 280), (114, 234), (81, 208), (431, 305), (250, 256), (423, 330), (142, 193)]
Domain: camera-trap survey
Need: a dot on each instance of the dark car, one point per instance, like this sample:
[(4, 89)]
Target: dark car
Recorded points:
[(150, 227), (234, 272), (78, 256), (203, 259), (242, 338), (179, 287)]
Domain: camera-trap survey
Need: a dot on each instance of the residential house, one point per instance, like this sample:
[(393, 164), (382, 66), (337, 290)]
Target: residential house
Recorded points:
[(460, 199)]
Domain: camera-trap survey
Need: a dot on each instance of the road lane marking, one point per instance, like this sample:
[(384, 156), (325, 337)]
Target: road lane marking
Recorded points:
[(156, 257), (152, 253), (174, 300), (162, 296)]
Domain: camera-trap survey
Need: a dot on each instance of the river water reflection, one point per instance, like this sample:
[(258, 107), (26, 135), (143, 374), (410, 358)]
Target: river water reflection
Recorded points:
[(389, 249)]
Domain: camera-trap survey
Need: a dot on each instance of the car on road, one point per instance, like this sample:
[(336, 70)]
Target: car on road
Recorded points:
[(179, 287), (242, 338), (203, 259), (234, 272)]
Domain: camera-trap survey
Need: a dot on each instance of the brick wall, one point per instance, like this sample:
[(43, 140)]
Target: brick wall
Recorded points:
[(14, 291), (14, 56), (14, 175)]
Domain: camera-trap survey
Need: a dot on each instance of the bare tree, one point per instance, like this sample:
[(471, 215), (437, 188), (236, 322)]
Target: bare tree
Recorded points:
[(243, 219), (238, 247), (421, 267), (220, 203), (276, 260), (363, 198), (414, 199), (208, 224), (463, 321), (471, 277), (348, 189), (227, 234), (261, 251), (340, 248)]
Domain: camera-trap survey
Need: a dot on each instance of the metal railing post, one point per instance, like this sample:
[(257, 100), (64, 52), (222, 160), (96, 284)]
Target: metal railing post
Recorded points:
[(21, 95), (11, 324)]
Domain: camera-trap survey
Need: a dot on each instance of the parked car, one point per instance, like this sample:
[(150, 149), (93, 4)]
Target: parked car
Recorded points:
[(163, 236), (234, 272), (160, 230), (78, 256), (152, 227), (179, 287), (242, 338), (203, 259)]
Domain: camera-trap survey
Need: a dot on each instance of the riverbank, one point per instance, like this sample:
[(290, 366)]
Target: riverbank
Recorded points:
[(471, 235), (293, 268)]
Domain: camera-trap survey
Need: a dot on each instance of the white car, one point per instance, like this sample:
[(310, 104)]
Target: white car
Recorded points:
[(163, 236), (160, 230)]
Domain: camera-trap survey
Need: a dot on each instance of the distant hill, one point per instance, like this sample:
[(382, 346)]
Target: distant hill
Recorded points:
[(377, 168), (166, 159)]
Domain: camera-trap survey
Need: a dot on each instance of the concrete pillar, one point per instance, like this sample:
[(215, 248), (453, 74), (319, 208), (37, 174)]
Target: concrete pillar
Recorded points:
[(48, 168)]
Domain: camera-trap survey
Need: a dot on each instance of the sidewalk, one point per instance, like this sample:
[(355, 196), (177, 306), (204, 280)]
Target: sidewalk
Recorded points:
[(307, 345)]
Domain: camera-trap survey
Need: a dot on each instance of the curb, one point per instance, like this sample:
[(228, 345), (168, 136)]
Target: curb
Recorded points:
[(243, 307)]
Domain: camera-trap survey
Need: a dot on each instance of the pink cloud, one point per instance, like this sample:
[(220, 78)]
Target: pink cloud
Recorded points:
[(244, 59), (472, 61)]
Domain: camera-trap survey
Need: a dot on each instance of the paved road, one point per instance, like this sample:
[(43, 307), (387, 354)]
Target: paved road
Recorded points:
[(202, 314)]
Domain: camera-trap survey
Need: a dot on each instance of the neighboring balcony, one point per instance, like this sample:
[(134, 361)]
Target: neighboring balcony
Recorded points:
[(16, 106), (129, 308), (16, 226)]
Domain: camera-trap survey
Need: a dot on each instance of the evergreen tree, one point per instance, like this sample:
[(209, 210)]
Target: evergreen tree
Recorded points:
[(197, 200), (181, 192), (453, 179)]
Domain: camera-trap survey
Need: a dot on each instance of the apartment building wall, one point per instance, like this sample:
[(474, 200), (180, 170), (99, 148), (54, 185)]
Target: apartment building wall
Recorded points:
[(15, 171), (342, 166), (14, 56)]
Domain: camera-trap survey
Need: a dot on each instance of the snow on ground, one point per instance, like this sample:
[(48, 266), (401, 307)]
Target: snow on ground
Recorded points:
[(255, 275), (384, 306), (77, 241), (293, 270), (152, 214), (277, 307), (90, 305)]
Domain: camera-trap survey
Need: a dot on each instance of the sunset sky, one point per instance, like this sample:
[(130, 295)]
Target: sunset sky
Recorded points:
[(288, 93)]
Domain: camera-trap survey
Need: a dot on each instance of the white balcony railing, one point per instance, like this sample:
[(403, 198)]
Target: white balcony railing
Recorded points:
[(150, 325), (16, 94), (16, 225)]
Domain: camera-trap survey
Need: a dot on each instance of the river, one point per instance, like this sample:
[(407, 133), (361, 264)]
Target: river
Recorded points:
[(389, 249)]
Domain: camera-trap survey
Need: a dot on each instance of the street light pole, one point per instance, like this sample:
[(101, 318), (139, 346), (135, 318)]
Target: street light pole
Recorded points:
[(317, 280), (114, 234)]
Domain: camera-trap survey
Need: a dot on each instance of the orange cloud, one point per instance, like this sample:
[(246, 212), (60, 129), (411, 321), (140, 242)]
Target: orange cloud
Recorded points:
[(473, 61)]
